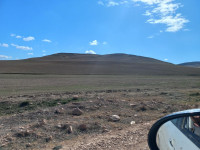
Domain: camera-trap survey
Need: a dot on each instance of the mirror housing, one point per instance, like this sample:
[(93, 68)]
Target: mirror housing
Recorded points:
[(154, 129)]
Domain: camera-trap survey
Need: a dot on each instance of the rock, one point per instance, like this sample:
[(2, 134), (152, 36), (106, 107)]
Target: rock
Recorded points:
[(132, 122), (57, 147), (48, 139), (75, 97), (82, 127), (28, 145), (104, 129), (59, 111), (63, 126), (66, 126), (39, 124), (114, 118), (42, 122), (133, 105), (24, 133), (70, 129), (77, 112)]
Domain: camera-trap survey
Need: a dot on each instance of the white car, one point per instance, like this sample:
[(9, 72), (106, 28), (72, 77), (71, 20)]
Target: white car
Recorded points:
[(178, 131)]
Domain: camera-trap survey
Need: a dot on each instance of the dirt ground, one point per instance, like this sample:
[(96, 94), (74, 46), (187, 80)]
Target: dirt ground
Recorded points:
[(46, 120)]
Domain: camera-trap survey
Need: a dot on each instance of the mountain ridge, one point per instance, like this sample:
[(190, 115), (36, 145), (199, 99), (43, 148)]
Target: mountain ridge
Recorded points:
[(89, 64)]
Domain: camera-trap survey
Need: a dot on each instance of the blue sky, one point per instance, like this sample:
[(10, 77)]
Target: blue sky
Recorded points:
[(167, 30)]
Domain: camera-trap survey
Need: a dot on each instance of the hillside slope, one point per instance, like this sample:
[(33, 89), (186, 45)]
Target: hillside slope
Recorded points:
[(195, 64), (69, 63)]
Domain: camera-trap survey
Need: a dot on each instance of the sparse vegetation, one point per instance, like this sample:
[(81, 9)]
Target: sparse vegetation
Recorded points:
[(8, 108), (44, 120), (195, 94)]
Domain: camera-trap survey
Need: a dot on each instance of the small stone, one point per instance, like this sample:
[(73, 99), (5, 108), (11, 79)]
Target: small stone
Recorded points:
[(48, 139), (132, 122), (57, 147), (133, 105), (59, 126), (114, 118), (59, 111), (75, 97), (28, 145), (77, 112), (42, 122), (63, 126), (70, 129), (105, 130)]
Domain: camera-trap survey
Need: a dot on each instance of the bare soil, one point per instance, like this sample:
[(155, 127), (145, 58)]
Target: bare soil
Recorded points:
[(41, 120)]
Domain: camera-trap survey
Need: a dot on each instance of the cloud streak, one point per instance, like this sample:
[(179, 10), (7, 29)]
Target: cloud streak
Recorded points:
[(30, 38), (112, 3), (90, 52), (5, 57), (4, 45), (26, 48), (46, 40), (29, 53)]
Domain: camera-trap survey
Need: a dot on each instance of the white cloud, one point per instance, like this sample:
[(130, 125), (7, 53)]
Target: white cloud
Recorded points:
[(95, 42), (12, 34), (112, 3), (43, 51), (174, 23), (100, 3), (90, 52), (186, 30), (148, 13), (22, 47), (164, 12), (149, 2), (166, 8), (104, 43), (124, 2), (5, 57), (46, 40), (150, 37), (165, 59), (30, 53), (18, 37), (4, 45), (158, 11), (30, 38)]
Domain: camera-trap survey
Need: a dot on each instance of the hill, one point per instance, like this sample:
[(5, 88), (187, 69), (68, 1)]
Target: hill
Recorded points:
[(195, 64), (71, 63)]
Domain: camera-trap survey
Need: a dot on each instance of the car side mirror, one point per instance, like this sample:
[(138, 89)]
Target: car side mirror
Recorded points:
[(180, 130)]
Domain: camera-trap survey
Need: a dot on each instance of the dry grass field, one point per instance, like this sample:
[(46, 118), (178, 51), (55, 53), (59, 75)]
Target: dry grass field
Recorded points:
[(36, 111)]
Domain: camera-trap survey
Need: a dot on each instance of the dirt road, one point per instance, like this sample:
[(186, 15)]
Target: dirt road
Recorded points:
[(132, 138)]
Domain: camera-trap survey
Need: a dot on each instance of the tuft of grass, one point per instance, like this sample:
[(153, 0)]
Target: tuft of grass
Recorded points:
[(23, 104), (195, 94)]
